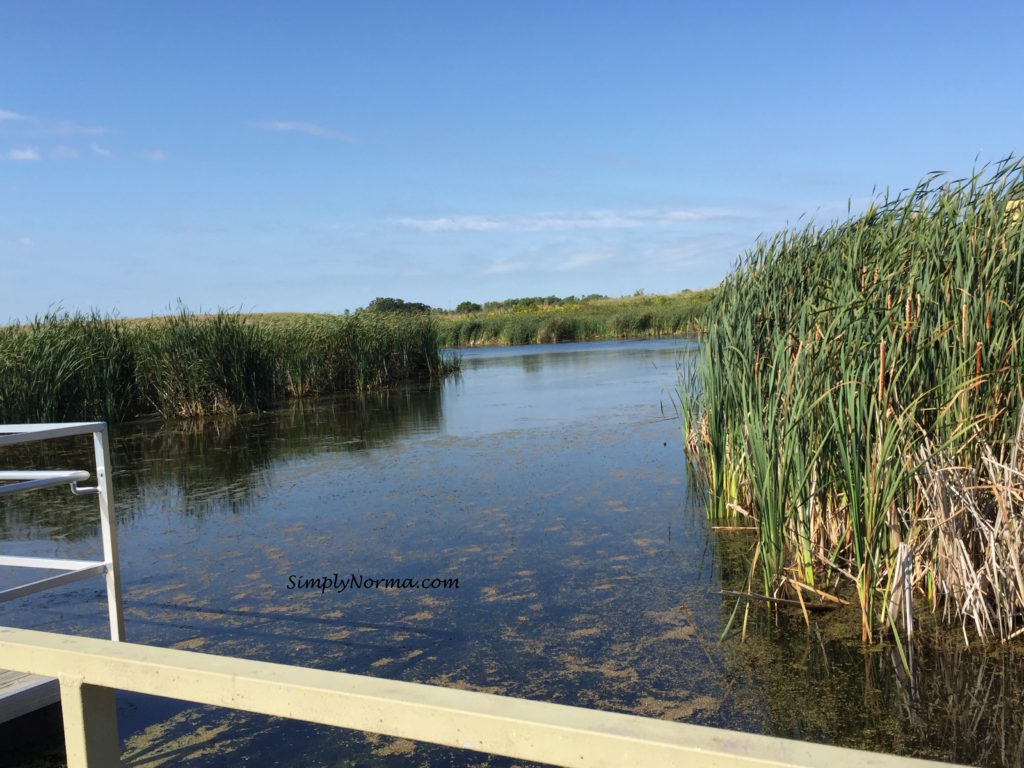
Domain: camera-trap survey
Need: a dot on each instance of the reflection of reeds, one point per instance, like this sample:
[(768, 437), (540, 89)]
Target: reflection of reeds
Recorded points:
[(67, 367), (956, 704), (971, 703), (196, 466), (859, 395)]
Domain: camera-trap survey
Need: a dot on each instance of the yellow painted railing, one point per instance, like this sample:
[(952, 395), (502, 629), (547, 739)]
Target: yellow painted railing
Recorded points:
[(90, 670)]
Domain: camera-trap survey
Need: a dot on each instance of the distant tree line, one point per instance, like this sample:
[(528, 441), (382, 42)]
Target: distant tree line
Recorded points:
[(384, 304), (527, 302)]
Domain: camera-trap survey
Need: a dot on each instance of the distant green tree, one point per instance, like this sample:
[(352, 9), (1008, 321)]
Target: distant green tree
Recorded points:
[(387, 304), (468, 306)]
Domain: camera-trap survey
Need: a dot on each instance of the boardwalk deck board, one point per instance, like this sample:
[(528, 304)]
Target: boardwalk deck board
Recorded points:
[(21, 694)]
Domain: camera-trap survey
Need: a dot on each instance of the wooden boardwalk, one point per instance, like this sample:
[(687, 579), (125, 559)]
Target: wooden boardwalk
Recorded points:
[(21, 694)]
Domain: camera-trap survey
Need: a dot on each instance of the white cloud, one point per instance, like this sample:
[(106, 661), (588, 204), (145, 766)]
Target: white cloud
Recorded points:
[(310, 129), (685, 254), (538, 222), (64, 153), (23, 153), (54, 127), (100, 151), (455, 224), (581, 260), (501, 267), (68, 128), (156, 155)]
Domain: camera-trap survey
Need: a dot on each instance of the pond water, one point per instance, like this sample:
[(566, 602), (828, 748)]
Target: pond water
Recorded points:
[(550, 482)]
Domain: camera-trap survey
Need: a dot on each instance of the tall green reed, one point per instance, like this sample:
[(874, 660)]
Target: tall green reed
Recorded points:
[(83, 367), (838, 362), (64, 367)]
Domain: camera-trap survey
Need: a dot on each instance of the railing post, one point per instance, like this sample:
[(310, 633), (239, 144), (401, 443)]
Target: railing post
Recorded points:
[(90, 724), (108, 529)]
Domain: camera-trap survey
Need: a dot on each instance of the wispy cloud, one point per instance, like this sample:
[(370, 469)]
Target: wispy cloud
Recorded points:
[(456, 224), (100, 151), (23, 153), (582, 260), (64, 153), (502, 267), (539, 222), (26, 242), (43, 125), (69, 128), (156, 155), (41, 129), (310, 129)]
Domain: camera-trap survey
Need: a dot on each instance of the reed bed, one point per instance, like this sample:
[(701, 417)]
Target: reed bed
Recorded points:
[(859, 401), (67, 367), (539, 321)]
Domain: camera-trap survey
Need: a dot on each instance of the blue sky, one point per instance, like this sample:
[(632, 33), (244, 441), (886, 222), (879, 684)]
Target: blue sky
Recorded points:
[(313, 156)]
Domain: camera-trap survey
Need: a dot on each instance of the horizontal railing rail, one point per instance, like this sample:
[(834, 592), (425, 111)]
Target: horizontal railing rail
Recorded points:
[(29, 480), (12, 434), (22, 481), (90, 670)]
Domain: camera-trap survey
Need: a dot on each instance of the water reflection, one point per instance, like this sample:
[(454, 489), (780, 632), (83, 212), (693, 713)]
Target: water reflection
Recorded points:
[(958, 704), (551, 482), (194, 468)]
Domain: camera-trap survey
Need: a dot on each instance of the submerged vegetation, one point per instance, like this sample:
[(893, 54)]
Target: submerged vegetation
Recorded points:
[(67, 367), (548, 319), (859, 401)]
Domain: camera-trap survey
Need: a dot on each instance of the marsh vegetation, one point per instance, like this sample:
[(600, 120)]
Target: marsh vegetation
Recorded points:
[(539, 320), (549, 480), (858, 401), (64, 367)]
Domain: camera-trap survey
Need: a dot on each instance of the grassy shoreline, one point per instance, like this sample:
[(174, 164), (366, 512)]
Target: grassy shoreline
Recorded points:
[(552, 320), (858, 401), (63, 367), (74, 367)]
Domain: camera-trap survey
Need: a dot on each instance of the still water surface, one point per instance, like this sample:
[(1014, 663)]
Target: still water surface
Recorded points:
[(550, 482)]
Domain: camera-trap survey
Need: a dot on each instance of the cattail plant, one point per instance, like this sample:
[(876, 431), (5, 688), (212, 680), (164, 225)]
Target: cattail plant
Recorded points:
[(859, 397), (74, 367)]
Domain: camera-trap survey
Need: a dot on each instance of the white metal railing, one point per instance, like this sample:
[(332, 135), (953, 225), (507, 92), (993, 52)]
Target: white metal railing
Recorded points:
[(21, 481), (90, 670)]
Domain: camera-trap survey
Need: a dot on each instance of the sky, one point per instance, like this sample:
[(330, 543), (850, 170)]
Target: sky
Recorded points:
[(310, 156)]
